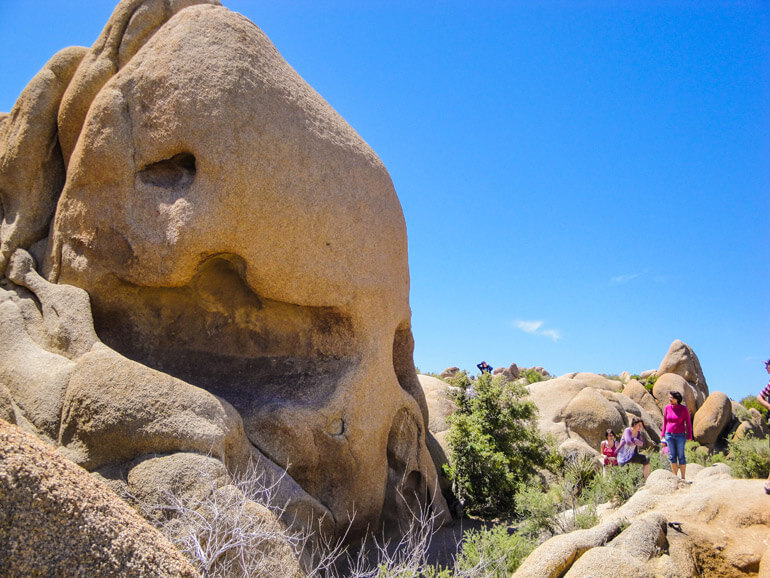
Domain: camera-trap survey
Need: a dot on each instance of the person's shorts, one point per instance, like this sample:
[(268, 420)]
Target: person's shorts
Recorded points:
[(638, 458)]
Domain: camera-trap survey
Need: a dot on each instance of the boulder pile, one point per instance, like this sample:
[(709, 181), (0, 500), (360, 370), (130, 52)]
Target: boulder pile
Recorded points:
[(577, 408)]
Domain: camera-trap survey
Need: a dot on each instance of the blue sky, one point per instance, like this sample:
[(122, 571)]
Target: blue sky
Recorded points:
[(583, 182)]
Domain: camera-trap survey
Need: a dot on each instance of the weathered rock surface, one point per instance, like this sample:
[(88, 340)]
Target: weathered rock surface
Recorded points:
[(449, 372), (56, 518), (440, 407), (751, 423), (669, 382), (639, 394), (681, 360), (226, 271), (712, 418), (724, 523), (577, 408)]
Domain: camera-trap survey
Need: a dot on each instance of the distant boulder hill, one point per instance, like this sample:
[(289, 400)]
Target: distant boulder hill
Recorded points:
[(578, 408)]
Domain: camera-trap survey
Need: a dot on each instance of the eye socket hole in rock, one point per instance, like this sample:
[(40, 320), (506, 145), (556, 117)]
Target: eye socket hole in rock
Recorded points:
[(175, 172), (407, 488)]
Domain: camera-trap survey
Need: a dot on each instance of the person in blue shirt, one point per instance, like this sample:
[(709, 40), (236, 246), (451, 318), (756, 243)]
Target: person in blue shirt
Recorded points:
[(484, 367)]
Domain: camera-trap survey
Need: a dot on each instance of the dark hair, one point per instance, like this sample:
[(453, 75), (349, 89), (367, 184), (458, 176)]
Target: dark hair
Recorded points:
[(636, 420), (767, 362), (677, 396), (608, 432)]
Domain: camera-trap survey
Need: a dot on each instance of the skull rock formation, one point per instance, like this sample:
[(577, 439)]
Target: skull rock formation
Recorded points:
[(245, 256)]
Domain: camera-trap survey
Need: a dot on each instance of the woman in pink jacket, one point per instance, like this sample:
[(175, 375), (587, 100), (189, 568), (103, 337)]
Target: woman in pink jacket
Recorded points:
[(677, 428)]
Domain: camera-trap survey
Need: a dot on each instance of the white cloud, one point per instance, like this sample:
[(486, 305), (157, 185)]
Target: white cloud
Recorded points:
[(534, 328), (620, 279), (554, 334), (529, 326)]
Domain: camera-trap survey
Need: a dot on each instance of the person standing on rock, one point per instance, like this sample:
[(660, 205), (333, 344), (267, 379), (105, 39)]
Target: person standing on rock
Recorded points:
[(764, 399), (484, 367), (677, 429), (627, 450)]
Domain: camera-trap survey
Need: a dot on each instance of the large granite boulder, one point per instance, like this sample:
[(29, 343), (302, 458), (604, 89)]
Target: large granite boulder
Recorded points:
[(226, 271), (58, 520), (712, 418), (681, 360), (668, 382), (440, 407)]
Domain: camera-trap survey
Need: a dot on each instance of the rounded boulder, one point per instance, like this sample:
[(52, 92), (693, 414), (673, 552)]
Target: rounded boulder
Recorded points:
[(712, 418)]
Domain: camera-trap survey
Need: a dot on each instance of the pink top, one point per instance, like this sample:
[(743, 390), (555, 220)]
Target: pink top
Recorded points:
[(610, 453), (676, 419)]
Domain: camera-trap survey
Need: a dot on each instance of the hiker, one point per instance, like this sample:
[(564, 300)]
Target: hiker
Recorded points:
[(628, 449), (677, 428), (484, 367), (764, 399)]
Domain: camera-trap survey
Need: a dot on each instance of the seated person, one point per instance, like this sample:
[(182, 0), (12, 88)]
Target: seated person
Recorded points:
[(609, 449), (628, 449)]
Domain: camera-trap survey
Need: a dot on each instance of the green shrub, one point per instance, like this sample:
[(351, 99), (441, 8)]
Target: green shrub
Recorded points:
[(532, 376), (461, 379), (537, 510), (649, 383), (658, 461), (579, 470), (617, 485), (752, 402), (495, 446), (695, 454), (586, 517), (494, 552), (749, 458)]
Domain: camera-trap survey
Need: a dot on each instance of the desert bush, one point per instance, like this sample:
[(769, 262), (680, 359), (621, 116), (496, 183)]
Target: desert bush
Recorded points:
[(495, 446), (649, 383), (230, 531), (752, 402), (658, 461), (562, 507), (402, 558), (579, 470), (538, 511), (617, 485), (586, 517), (493, 552), (233, 529), (749, 457), (532, 376), (461, 379), (694, 455)]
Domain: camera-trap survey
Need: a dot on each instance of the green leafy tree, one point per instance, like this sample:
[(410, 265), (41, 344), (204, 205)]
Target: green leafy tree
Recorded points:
[(752, 402), (495, 446)]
